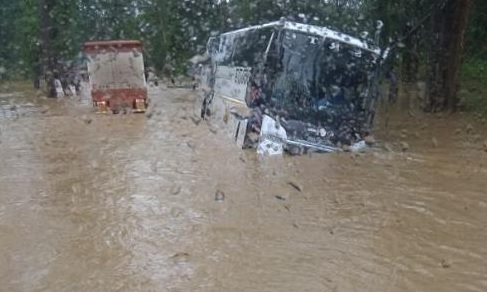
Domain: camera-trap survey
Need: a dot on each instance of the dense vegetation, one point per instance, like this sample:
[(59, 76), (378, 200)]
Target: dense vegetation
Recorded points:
[(428, 35)]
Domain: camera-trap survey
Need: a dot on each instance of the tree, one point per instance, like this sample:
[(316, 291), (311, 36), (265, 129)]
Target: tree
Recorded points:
[(9, 10), (476, 37), (38, 33), (448, 26), (18, 32), (48, 34)]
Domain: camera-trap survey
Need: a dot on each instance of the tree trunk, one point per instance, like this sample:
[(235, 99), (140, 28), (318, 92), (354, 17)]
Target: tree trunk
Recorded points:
[(47, 59), (410, 59), (456, 46), (447, 41)]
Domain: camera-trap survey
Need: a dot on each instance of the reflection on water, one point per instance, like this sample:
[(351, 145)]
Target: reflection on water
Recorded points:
[(127, 203)]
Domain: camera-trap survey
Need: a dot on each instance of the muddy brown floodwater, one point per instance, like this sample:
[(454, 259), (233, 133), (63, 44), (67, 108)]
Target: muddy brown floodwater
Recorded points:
[(130, 203)]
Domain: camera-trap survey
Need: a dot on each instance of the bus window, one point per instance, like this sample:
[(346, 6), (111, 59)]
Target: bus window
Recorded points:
[(250, 47), (213, 45), (222, 49), (273, 50)]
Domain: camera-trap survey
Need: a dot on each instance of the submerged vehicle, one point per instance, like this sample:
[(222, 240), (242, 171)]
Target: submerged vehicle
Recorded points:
[(287, 86), (116, 75)]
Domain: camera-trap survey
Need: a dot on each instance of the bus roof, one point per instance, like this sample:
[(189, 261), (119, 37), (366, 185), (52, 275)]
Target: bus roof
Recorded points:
[(313, 30)]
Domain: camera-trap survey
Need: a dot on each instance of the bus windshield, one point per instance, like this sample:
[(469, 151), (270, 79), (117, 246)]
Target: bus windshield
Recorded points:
[(311, 74)]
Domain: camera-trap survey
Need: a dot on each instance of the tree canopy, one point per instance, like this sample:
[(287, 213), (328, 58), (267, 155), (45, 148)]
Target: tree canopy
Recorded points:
[(36, 34)]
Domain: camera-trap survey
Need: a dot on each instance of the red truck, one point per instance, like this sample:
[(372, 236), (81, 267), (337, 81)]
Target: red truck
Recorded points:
[(116, 75)]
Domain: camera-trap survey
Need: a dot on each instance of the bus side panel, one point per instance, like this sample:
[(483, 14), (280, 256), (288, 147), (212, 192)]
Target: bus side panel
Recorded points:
[(230, 89), (221, 108), (232, 81)]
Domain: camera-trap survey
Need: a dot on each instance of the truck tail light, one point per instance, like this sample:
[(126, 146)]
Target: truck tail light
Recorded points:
[(101, 106), (139, 104)]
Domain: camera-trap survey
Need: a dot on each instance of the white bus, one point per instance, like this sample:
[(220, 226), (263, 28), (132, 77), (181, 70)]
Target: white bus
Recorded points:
[(290, 86)]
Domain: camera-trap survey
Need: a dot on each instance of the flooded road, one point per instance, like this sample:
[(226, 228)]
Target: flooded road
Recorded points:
[(130, 203)]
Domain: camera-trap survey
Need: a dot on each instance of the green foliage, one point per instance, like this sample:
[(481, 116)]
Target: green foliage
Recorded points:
[(476, 38), (172, 31), (18, 32), (475, 70), (473, 90)]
